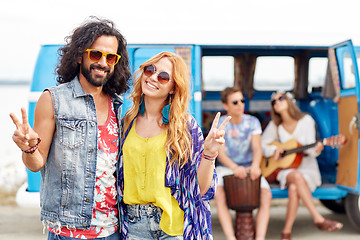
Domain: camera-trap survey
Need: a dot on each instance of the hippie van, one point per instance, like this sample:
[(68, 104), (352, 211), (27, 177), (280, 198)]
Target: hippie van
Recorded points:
[(324, 81)]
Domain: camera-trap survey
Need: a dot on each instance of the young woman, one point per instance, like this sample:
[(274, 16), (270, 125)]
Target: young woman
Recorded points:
[(166, 172), (288, 122)]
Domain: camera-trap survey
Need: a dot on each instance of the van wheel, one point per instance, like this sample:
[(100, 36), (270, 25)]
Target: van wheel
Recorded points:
[(352, 206), (337, 206)]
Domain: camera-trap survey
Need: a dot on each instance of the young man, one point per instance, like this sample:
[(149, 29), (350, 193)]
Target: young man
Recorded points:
[(75, 138), (241, 153)]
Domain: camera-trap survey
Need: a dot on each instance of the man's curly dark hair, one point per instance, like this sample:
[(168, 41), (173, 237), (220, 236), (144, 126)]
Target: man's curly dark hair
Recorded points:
[(81, 39)]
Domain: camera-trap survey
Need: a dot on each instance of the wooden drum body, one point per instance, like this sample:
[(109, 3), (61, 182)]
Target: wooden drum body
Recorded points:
[(243, 196)]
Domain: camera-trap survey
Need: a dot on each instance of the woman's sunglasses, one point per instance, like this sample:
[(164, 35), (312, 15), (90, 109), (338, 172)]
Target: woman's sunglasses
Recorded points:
[(273, 102), (95, 56), (237, 101), (162, 77)]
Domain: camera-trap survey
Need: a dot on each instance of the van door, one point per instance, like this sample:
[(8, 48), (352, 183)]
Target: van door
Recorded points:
[(348, 113), (191, 54)]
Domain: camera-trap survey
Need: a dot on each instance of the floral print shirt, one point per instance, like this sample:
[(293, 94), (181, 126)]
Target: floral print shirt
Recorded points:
[(238, 139)]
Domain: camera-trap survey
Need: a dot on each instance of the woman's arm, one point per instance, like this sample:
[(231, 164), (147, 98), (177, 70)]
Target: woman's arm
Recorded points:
[(212, 144), (309, 131), (269, 135)]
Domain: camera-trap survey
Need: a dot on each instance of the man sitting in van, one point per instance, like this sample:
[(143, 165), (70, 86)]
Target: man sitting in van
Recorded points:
[(240, 156)]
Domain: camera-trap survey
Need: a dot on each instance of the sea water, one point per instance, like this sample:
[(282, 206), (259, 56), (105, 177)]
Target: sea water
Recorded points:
[(12, 169)]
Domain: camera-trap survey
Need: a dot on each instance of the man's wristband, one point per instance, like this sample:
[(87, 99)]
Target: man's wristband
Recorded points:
[(33, 149)]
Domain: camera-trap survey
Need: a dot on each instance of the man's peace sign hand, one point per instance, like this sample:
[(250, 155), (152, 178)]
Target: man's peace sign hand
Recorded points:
[(24, 136)]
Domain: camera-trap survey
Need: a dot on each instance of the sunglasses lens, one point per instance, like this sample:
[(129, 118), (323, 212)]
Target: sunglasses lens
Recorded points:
[(279, 99), (236, 101), (111, 59), (95, 55), (149, 70), (163, 77)]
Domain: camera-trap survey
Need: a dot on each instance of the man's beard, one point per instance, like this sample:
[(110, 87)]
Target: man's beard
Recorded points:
[(97, 82)]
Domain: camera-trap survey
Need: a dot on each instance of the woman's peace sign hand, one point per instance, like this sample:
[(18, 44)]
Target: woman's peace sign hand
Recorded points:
[(215, 138)]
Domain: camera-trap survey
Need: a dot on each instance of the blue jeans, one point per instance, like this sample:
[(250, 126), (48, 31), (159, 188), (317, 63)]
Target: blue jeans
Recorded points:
[(144, 223), (114, 236)]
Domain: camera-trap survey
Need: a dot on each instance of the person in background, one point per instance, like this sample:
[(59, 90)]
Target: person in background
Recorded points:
[(75, 138), (166, 171), (288, 122), (241, 155)]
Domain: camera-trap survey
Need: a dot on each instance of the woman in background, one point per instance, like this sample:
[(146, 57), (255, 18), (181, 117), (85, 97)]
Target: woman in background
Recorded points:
[(288, 122)]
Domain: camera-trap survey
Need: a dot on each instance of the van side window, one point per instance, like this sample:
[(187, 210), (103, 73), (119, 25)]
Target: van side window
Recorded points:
[(349, 78), (317, 73), (274, 73), (217, 72)]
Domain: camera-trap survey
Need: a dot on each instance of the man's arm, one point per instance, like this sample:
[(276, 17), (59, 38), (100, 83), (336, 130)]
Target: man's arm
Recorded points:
[(257, 150), (257, 156), (239, 171), (225, 160), (44, 126)]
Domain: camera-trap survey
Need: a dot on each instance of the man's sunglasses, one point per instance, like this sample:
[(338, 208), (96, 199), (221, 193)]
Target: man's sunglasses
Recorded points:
[(95, 56), (237, 101), (282, 97), (162, 77)]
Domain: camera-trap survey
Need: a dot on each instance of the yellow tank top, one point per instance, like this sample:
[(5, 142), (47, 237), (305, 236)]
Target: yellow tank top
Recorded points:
[(144, 179)]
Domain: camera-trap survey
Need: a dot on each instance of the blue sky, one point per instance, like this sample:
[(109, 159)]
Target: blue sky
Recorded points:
[(26, 25)]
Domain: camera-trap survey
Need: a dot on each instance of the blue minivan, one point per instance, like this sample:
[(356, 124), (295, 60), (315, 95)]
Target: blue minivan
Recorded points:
[(324, 80)]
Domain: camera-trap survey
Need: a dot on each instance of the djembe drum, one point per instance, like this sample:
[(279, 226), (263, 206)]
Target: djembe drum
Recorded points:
[(243, 196)]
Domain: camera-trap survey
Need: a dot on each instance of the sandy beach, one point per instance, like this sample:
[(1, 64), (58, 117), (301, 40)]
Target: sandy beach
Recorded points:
[(19, 223)]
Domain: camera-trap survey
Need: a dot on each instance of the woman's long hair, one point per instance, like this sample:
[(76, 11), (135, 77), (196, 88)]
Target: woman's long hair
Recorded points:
[(293, 111), (81, 39), (178, 142)]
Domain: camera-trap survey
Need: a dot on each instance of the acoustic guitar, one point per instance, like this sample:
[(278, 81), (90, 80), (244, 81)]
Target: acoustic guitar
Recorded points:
[(292, 155)]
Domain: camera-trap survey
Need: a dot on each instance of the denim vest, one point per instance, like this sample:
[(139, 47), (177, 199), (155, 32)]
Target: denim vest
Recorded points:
[(68, 178)]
